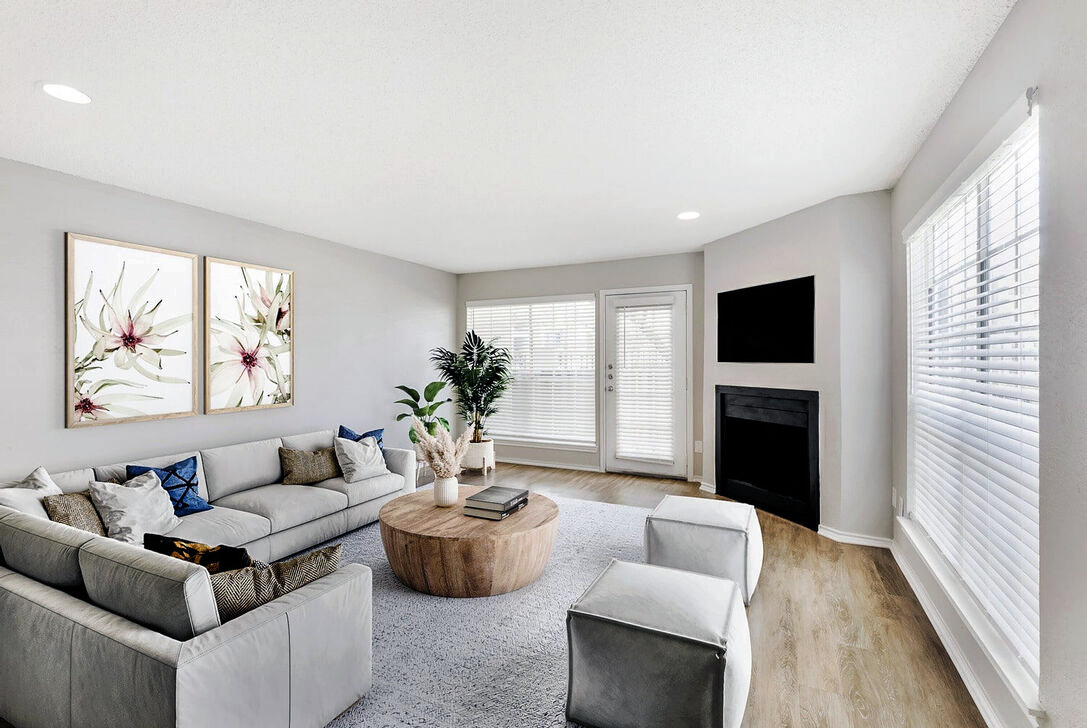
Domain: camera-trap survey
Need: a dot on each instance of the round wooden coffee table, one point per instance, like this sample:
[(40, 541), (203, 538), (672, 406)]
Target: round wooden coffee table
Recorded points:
[(444, 552)]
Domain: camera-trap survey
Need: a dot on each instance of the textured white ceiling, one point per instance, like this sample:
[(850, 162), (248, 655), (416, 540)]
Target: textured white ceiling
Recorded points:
[(484, 135)]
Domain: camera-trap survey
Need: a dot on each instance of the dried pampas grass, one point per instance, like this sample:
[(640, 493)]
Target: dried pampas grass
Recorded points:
[(441, 452)]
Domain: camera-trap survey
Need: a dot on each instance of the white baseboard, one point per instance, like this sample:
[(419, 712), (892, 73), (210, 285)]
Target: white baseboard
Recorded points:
[(707, 488), (543, 464), (858, 539)]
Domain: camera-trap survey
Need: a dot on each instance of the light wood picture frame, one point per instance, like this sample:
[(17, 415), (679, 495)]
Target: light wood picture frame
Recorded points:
[(248, 336), (130, 332)]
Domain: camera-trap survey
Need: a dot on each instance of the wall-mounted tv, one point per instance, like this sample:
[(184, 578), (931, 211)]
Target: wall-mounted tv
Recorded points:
[(774, 322)]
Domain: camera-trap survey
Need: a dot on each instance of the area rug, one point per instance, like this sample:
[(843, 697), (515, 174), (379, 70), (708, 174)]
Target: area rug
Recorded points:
[(496, 662)]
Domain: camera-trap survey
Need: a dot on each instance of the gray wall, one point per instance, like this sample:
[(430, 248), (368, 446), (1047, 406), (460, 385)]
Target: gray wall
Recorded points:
[(590, 278), (1044, 43), (844, 244), (364, 322)]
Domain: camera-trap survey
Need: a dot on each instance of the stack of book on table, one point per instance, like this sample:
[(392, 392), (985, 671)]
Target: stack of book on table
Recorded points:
[(495, 503)]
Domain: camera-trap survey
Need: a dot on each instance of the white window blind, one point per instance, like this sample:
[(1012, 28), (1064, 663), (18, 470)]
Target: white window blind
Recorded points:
[(973, 405), (644, 382), (553, 344)]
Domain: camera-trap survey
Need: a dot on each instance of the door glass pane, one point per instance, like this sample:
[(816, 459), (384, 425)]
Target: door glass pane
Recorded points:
[(645, 382)]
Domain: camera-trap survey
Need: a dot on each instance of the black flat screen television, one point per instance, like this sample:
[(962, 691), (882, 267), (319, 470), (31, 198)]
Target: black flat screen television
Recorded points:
[(769, 323)]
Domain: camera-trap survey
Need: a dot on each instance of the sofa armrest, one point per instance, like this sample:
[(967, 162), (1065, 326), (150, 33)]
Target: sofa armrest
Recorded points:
[(306, 655), (402, 462)]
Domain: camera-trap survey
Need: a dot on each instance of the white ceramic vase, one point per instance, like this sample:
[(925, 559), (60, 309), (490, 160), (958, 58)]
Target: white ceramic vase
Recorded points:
[(446, 492)]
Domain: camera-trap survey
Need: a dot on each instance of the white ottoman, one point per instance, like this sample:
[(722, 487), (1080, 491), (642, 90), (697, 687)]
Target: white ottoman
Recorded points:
[(652, 647), (714, 537)]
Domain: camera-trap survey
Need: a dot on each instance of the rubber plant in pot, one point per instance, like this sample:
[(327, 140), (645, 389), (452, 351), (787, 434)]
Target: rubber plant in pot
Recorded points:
[(480, 375), (425, 408)]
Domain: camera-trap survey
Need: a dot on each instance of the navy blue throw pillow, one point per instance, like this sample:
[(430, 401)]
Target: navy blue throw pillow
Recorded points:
[(348, 434), (180, 481)]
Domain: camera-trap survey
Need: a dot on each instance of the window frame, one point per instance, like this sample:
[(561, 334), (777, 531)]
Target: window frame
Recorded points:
[(1000, 650), (537, 442)]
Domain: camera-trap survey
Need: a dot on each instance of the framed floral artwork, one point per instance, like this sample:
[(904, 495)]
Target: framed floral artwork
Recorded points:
[(249, 336), (131, 333)]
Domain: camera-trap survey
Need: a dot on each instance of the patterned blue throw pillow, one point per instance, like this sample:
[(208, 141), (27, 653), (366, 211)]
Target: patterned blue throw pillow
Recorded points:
[(348, 434), (182, 483)]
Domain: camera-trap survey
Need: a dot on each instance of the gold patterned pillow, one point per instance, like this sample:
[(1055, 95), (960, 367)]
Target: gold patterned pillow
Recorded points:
[(301, 467), (239, 591), (212, 558), (76, 510)]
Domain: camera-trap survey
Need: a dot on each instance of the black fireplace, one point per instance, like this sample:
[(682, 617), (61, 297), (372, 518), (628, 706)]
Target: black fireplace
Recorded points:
[(768, 450)]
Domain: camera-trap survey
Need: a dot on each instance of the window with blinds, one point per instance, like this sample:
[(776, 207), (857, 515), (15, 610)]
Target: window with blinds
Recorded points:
[(553, 344), (644, 382), (973, 402)]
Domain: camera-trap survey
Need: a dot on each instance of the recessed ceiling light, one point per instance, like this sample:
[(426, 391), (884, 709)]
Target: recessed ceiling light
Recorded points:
[(66, 93), (689, 215)]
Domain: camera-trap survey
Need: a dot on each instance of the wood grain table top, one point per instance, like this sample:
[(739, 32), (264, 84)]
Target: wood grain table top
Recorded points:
[(416, 514)]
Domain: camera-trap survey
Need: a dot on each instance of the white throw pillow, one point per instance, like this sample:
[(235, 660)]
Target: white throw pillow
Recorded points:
[(360, 460), (27, 494), (131, 509)]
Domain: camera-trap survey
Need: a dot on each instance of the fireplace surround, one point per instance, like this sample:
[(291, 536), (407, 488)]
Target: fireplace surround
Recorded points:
[(767, 450)]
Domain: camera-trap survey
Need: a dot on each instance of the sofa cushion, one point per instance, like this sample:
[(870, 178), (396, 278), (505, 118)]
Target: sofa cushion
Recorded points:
[(236, 468), (365, 490), (222, 525), (73, 481), (286, 505), (166, 594), (298, 539), (309, 440), (118, 472), (42, 550)]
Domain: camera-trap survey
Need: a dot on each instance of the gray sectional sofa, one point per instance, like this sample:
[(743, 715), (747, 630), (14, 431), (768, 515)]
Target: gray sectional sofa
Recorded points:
[(96, 632)]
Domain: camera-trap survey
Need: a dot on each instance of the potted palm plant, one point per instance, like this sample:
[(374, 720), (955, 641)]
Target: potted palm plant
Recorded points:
[(479, 374)]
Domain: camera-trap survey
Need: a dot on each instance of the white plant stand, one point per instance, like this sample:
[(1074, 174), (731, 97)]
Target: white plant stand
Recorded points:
[(480, 456)]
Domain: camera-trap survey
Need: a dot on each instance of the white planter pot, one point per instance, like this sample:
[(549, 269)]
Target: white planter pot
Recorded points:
[(480, 456), (446, 492)]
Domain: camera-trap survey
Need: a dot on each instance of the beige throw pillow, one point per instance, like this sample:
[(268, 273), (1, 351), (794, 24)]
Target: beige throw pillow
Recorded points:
[(131, 509)]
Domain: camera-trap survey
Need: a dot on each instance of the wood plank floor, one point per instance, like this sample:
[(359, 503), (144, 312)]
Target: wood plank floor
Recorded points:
[(838, 637)]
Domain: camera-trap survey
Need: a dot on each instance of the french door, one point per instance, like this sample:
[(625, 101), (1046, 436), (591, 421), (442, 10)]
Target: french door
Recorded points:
[(645, 383)]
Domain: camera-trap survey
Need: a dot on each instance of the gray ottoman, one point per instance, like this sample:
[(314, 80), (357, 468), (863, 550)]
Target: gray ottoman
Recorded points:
[(652, 647), (714, 537)]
